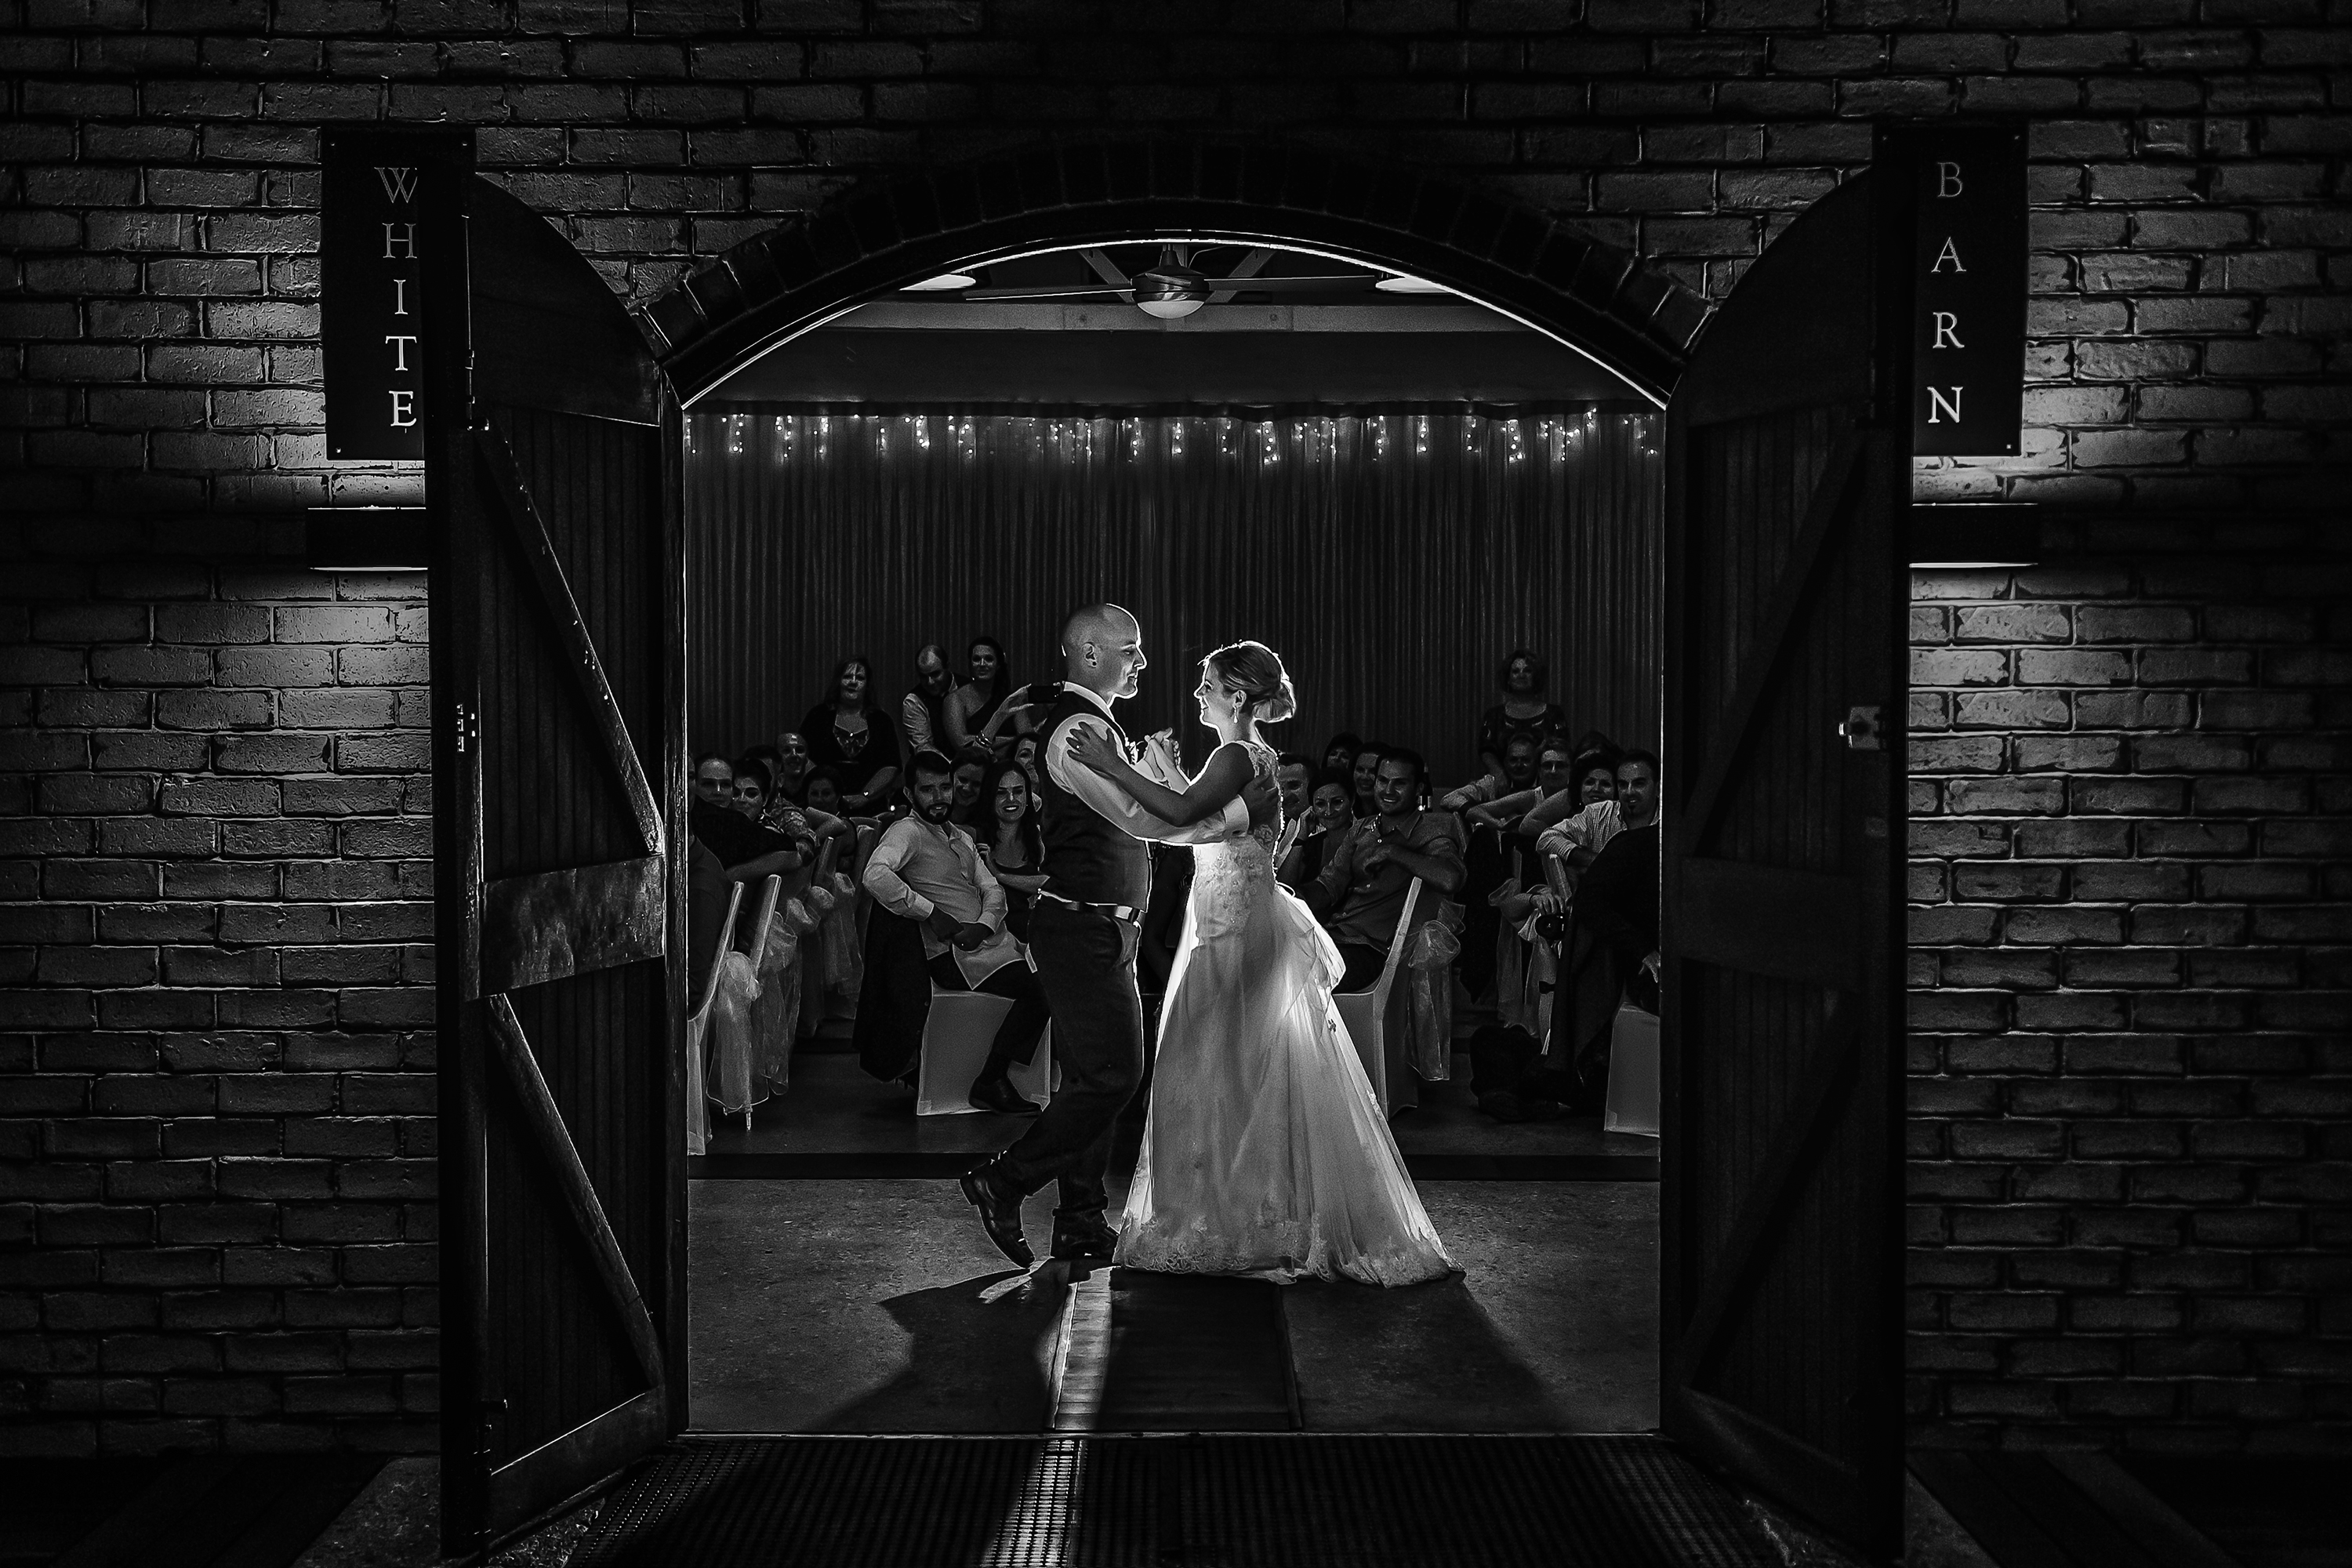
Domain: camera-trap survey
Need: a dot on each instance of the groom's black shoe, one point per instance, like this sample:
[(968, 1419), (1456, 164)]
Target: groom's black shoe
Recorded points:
[(994, 1090), (1089, 1241), (1000, 1211)]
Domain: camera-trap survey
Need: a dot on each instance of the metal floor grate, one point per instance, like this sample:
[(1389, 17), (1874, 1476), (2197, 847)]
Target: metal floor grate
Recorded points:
[(1302, 1500)]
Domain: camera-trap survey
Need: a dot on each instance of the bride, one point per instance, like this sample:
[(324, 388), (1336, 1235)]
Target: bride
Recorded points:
[(1265, 1151)]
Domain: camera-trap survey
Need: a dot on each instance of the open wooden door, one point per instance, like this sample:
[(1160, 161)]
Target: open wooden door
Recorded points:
[(1783, 832), (559, 688)]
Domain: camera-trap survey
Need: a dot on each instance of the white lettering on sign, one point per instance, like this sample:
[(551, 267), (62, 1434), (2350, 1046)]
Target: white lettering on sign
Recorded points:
[(399, 184), (400, 341), (1939, 405), (404, 408), (407, 239), (400, 296), (1950, 253), (1947, 180), (1947, 330)]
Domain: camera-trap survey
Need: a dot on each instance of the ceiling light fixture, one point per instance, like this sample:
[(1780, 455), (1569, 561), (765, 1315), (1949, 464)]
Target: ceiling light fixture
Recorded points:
[(1169, 289), (944, 282)]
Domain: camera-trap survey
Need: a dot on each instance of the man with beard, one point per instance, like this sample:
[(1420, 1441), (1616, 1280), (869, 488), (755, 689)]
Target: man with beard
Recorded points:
[(929, 871)]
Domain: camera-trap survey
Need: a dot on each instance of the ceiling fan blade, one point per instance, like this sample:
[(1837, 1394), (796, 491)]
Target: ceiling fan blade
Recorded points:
[(1041, 291), (1293, 285)]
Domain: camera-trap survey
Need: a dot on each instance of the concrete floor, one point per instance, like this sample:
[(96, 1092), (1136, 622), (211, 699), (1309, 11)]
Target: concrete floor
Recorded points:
[(879, 1306)]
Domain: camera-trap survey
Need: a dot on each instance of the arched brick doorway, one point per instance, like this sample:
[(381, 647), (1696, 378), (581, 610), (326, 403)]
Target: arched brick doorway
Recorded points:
[(1594, 297)]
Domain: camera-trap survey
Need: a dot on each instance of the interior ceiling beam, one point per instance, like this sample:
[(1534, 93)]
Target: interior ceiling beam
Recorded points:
[(1246, 268), (1099, 259)]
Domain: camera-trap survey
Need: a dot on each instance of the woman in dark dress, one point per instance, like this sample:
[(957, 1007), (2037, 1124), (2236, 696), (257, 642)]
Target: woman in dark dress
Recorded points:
[(1522, 711), (853, 740)]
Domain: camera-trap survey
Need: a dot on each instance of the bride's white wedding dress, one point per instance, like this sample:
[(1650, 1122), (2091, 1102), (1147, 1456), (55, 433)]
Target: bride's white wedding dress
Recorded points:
[(1265, 1151)]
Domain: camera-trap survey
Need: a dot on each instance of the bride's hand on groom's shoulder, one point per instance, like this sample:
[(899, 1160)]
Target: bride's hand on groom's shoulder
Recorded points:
[(1094, 748)]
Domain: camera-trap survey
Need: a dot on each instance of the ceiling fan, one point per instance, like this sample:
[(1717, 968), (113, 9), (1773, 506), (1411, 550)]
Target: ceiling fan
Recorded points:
[(1172, 287)]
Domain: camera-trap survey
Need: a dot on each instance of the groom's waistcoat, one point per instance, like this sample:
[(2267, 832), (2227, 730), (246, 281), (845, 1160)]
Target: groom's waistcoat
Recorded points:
[(1086, 858)]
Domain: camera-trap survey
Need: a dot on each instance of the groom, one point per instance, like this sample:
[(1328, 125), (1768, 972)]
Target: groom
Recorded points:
[(1082, 937)]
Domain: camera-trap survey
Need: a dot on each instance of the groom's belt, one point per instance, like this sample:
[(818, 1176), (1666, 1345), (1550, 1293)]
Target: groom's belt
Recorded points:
[(1115, 911)]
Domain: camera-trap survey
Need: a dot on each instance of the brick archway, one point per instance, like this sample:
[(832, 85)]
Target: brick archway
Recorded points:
[(884, 234)]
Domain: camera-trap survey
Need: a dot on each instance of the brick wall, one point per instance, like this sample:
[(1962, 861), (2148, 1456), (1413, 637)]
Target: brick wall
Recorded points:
[(160, 410), (2132, 972), (215, 999)]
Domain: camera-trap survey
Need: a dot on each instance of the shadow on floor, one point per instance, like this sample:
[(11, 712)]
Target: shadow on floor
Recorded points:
[(977, 1358)]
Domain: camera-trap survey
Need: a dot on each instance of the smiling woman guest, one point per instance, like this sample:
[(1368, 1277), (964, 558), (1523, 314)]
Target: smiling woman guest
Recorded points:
[(1523, 710), (1014, 842), (847, 735)]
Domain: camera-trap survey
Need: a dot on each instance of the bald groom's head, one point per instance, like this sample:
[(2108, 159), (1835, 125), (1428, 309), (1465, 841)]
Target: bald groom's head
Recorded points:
[(1102, 650)]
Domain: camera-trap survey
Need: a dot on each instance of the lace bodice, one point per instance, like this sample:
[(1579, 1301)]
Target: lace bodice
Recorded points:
[(1233, 877)]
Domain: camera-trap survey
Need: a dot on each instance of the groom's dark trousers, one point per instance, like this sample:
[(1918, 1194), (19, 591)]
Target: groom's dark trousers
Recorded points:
[(1086, 962)]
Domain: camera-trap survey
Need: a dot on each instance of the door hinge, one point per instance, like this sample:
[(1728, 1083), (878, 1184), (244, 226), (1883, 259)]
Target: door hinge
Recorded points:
[(1862, 729), (469, 724)]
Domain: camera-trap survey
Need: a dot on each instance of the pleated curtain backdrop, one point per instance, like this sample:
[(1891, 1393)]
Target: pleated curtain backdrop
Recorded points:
[(1391, 560)]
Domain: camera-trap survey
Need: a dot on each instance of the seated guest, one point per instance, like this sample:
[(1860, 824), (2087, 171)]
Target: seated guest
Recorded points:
[(1328, 813), (746, 851), (1520, 766), (1555, 774), (846, 734), (794, 821), (972, 705), (1294, 775), (1339, 755), (1360, 893), (822, 792), (714, 780), (968, 811), (1522, 711), (1015, 842), (1592, 779), (1365, 769), (751, 786), (792, 766), (923, 711), (1025, 754), (1581, 839), (929, 871)]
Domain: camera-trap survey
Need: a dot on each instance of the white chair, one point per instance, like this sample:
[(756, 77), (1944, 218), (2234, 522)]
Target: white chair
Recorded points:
[(736, 1085), (698, 1024), (1366, 1013), (1633, 1104), (956, 1034)]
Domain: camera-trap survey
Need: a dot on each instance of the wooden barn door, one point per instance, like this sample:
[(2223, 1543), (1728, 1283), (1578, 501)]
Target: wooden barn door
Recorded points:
[(560, 800), (1783, 833)]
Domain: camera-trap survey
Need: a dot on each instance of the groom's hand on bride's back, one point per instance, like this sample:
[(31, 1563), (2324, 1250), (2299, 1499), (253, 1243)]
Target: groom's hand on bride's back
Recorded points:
[(1263, 796)]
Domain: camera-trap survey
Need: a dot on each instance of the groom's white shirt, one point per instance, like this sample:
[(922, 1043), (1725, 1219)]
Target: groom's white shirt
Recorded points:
[(1113, 803)]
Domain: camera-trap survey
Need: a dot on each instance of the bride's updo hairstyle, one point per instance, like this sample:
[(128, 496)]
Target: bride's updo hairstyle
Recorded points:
[(1253, 669)]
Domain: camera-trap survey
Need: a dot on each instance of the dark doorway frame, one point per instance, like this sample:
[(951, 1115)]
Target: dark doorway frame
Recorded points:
[(1546, 275)]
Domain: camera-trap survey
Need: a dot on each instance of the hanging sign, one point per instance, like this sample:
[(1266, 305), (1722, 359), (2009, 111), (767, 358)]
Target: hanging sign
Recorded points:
[(1968, 290), (390, 207)]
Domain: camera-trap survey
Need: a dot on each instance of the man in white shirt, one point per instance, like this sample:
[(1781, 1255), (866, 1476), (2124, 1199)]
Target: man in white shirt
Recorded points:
[(927, 869), (1581, 839)]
